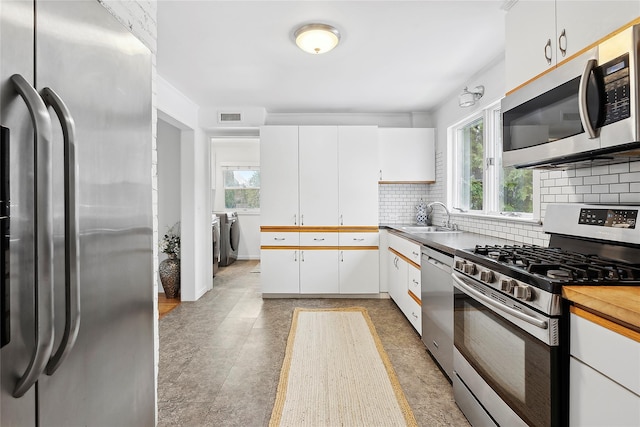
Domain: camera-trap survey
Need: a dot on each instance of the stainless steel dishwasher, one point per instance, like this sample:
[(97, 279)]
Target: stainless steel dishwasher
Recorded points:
[(437, 307)]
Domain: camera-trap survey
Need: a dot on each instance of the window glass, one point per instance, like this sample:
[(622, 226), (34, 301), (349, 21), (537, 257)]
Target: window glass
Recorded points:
[(470, 162), (480, 183), (241, 188)]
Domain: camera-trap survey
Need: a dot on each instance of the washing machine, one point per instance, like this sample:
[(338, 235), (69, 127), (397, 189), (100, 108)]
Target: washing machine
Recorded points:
[(215, 238), (229, 237)]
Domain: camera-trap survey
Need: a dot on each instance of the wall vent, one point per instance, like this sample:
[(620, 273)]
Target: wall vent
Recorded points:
[(229, 117)]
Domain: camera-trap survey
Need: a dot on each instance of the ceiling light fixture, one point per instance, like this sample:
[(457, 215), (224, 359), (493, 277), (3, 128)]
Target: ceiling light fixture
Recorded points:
[(468, 98), (317, 38)]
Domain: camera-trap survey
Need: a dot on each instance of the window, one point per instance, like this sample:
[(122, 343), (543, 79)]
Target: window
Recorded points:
[(241, 188), (480, 183)]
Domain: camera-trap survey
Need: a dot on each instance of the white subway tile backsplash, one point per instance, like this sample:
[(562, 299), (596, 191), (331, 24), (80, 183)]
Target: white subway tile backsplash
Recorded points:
[(619, 188), (609, 198), (591, 180), (619, 168)]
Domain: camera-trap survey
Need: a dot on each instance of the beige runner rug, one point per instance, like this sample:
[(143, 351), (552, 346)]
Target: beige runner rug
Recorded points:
[(336, 373)]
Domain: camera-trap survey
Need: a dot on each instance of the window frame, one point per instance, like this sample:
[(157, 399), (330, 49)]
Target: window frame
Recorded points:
[(492, 144)]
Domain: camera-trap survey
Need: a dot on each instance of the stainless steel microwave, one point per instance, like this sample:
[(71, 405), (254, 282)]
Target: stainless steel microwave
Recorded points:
[(584, 111)]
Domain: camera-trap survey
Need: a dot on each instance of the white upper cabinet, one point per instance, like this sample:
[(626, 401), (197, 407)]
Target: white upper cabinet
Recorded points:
[(358, 175), (279, 175), (541, 34), (407, 155), (318, 172), (530, 41)]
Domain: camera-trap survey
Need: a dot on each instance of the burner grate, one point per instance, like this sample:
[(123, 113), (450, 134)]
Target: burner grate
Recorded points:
[(558, 264)]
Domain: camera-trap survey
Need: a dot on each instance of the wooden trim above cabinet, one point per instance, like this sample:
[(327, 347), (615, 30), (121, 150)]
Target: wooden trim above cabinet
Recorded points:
[(358, 229), (580, 52), (358, 248), (272, 247), (415, 298), (411, 263)]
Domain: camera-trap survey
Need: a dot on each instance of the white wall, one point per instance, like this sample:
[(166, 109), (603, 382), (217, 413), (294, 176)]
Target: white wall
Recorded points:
[(240, 152), (169, 174), (196, 275)]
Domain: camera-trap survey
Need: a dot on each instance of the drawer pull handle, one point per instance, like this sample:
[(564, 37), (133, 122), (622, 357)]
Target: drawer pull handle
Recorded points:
[(436, 344), (358, 240), (280, 239), (318, 240), (415, 281)]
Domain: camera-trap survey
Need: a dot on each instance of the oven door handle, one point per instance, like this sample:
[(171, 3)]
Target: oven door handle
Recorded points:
[(495, 304)]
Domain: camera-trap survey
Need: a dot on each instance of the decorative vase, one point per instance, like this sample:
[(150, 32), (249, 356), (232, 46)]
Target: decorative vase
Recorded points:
[(169, 270), (421, 213)]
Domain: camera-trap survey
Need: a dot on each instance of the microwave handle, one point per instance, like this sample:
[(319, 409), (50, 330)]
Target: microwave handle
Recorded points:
[(582, 99)]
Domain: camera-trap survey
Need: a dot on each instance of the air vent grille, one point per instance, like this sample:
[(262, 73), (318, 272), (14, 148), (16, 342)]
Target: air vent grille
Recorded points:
[(229, 117)]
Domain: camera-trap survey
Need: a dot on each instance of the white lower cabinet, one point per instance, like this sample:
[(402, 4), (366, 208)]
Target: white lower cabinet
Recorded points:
[(319, 271), (604, 385), (359, 263), (404, 278), (279, 271), (319, 262)]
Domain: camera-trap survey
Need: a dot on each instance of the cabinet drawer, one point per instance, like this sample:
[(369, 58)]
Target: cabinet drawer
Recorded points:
[(414, 314), (319, 239), (280, 239), (358, 239), (610, 353), (409, 249), (414, 282)]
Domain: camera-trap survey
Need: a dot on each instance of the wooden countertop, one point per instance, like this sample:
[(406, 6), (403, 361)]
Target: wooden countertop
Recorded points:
[(620, 304)]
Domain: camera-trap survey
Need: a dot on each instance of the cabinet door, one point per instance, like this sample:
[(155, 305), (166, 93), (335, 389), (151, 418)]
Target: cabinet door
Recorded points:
[(406, 154), (397, 269), (530, 25), (359, 271), (279, 271), (358, 175), (279, 175), (318, 175), (319, 271), (595, 400), (597, 19)]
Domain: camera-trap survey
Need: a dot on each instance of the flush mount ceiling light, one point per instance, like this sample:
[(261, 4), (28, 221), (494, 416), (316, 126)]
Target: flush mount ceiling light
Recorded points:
[(317, 38), (468, 98)]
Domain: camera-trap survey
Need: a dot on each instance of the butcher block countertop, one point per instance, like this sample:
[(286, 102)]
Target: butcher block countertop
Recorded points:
[(620, 304)]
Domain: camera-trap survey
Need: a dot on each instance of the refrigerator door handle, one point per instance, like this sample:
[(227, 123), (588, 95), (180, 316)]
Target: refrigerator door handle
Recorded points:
[(71, 237), (44, 236)]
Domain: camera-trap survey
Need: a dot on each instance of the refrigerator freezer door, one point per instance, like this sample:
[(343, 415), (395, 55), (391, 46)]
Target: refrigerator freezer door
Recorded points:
[(17, 54), (103, 75)]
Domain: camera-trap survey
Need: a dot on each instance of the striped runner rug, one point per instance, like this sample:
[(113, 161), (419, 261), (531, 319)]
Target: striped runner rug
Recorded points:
[(336, 373)]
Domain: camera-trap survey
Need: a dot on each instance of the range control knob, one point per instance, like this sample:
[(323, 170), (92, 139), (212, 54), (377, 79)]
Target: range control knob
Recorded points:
[(507, 285), (522, 292), (470, 269), (487, 276), (459, 265)]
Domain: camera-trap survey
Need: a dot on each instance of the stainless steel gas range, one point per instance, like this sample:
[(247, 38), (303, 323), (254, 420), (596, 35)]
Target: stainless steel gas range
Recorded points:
[(510, 322)]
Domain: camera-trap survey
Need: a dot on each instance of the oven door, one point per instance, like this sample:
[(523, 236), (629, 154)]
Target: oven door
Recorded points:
[(506, 351)]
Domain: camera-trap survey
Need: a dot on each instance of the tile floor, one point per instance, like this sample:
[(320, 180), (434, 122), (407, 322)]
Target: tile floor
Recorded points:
[(220, 357)]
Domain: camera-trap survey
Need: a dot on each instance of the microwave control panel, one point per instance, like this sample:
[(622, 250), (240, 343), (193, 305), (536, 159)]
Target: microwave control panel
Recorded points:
[(617, 88)]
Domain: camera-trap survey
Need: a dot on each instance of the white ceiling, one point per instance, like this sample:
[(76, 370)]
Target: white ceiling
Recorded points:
[(394, 56)]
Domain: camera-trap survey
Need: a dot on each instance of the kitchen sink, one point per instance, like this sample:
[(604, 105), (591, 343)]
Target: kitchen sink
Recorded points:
[(419, 229)]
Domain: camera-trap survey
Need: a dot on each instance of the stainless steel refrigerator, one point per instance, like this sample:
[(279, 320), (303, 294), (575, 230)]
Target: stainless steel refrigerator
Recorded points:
[(77, 295)]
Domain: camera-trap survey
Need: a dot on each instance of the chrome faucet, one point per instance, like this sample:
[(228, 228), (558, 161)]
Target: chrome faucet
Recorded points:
[(448, 223)]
